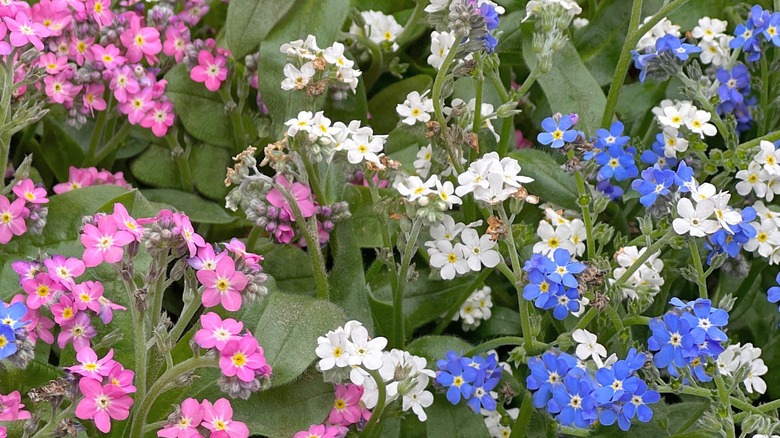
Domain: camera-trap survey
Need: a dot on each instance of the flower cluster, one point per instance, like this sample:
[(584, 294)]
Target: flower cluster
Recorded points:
[(314, 69), (475, 309), (664, 59), (744, 360), (241, 358), (453, 258), (471, 379), (734, 92), (615, 158), (559, 231), (25, 213), (713, 41), (646, 281), (91, 176), (687, 336), (203, 419), (552, 283), (379, 28), (761, 25), (762, 174), (228, 276), (579, 397), (492, 179), (416, 108)]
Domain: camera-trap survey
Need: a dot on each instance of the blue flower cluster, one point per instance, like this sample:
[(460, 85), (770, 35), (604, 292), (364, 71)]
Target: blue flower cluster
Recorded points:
[(748, 35), (11, 320), (687, 336), (730, 241), (578, 398), (656, 154), (490, 16), (610, 151), (551, 283), (657, 181), (470, 378), (734, 93), (773, 294), (670, 53)]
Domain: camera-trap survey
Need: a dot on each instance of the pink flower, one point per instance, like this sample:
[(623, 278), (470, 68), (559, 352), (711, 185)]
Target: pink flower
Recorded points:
[(77, 178), (125, 222), (60, 89), (522, 143), (103, 242), (87, 295), (38, 326), (93, 97), (80, 49), (24, 30), (141, 41), (53, 63), (121, 378), (319, 431), (346, 409), (107, 308), (215, 332), (159, 118), (176, 38), (137, 105), (102, 403), (53, 14), (219, 418), (210, 70), (27, 190), (187, 232), (41, 290), (223, 285), (187, 426), (26, 270), (64, 270), (238, 247), (100, 10), (206, 259), (243, 358), (124, 84), (64, 311), (12, 409), (11, 219), (109, 56), (5, 48), (92, 367), (78, 330), (300, 192)]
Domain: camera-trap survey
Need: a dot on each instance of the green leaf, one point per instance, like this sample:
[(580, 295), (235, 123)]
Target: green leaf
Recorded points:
[(353, 107), (434, 348), (249, 21), (382, 106), (200, 111), (600, 42), (59, 150), (326, 16), (365, 222), (635, 103), (208, 164), (551, 183), (347, 279), (503, 322), (569, 86), (156, 168), (290, 266), (448, 421), (197, 208)]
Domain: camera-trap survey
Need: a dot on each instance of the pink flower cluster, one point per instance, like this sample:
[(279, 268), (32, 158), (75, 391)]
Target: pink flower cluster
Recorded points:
[(26, 208), (347, 408), (322, 431), (11, 409), (194, 419), (239, 355), (280, 213), (105, 385), (78, 178), (87, 48), (218, 273), (211, 69)]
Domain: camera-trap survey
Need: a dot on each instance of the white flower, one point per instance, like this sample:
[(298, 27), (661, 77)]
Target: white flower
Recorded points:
[(470, 313), (418, 399), (445, 191), (447, 229), (769, 157), (441, 42), (695, 222), (422, 165), (728, 361), (363, 351), (332, 350), (363, 147), (379, 28), (753, 179), (753, 381), (476, 176), (763, 212), (579, 22), (511, 173), (553, 238), (703, 191), (674, 117), (698, 124), (295, 79), (766, 240), (556, 217), (673, 143), (578, 236), (534, 7), (302, 123), (301, 49), (436, 6), (724, 214), (662, 28), (716, 51), (414, 188), (449, 259), (496, 192), (479, 250), (415, 108), (709, 28), (335, 55), (588, 346), (321, 128)]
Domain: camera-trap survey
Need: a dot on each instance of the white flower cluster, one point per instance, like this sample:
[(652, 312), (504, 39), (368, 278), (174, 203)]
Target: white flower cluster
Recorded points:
[(311, 59), (661, 28), (475, 309), (714, 41), (416, 108), (673, 116), (466, 119), (646, 280), (706, 212), (491, 180), (767, 240), (588, 347), (534, 7), (763, 173), (453, 258), (441, 43), (557, 231), (359, 142), (347, 352), (379, 29), (493, 422), (737, 356), (422, 165), (415, 190)]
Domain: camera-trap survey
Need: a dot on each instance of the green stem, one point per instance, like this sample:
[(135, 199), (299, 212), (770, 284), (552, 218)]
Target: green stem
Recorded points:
[(771, 137), (725, 400), (525, 313), (164, 383), (251, 240), (701, 279), (314, 177), (501, 342), (368, 431), (191, 307), (47, 430), (112, 144), (377, 62), (438, 83), (5, 108), (479, 81), (97, 135), (652, 249), (455, 307), (399, 327), (589, 315), (529, 81), (624, 62), (587, 219), (182, 160), (386, 240), (403, 38), (636, 320), (520, 427), (236, 123), (764, 94)]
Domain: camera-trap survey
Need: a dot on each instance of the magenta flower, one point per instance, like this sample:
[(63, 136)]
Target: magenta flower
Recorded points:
[(121, 378), (125, 222), (24, 30), (346, 408), (100, 10), (238, 247), (13, 409), (137, 105), (216, 332), (219, 418), (87, 295), (41, 290), (141, 41), (109, 56), (79, 49), (92, 367), (206, 259), (26, 270), (11, 219), (107, 308), (5, 48), (53, 63), (124, 84), (300, 192), (59, 89), (244, 359), (102, 403), (77, 330), (191, 414), (176, 39), (159, 118), (38, 326), (223, 285), (103, 242), (319, 431), (64, 270), (184, 228), (27, 190), (93, 97), (77, 178), (211, 70), (64, 311)]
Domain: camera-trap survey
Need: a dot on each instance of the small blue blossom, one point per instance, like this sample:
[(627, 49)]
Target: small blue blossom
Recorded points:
[(671, 340), (565, 268), (657, 154), (557, 132), (7, 341), (457, 377), (612, 136), (12, 316), (563, 303), (615, 382), (636, 406), (485, 382), (731, 241), (706, 322), (683, 178), (490, 15), (539, 288), (612, 191), (573, 402), (548, 372), (772, 29), (617, 163), (655, 182), (734, 86), (773, 294)]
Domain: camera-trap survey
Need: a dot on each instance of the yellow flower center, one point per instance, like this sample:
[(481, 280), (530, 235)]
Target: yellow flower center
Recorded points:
[(223, 285), (238, 359), (339, 404), (43, 291)]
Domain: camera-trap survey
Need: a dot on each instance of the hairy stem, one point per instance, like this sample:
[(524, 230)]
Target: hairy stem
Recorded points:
[(399, 327)]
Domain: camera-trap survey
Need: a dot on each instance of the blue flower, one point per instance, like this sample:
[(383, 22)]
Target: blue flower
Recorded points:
[(547, 373), (573, 402), (773, 294), (675, 45), (705, 322), (485, 382), (563, 303), (617, 163), (557, 132), (612, 191), (637, 407), (731, 241), (683, 178), (615, 382), (490, 42), (458, 378), (657, 154), (772, 29), (612, 136), (654, 183), (7, 341), (565, 269), (490, 15), (12, 315), (539, 288), (671, 340), (734, 85)]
